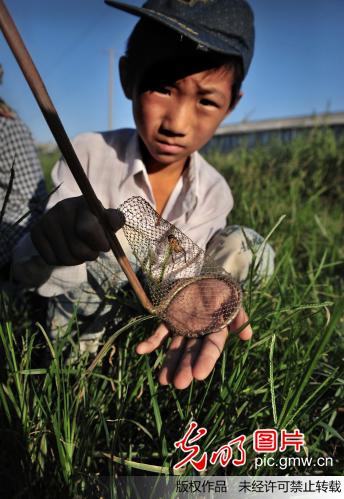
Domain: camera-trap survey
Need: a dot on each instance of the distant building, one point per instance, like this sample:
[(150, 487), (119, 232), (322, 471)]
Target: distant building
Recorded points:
[(251, 133)]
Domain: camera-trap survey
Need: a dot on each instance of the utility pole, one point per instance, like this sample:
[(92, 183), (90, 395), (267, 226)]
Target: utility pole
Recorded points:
[(111, 84)]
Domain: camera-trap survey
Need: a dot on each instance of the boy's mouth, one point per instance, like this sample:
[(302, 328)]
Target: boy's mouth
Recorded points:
[(169, 147)]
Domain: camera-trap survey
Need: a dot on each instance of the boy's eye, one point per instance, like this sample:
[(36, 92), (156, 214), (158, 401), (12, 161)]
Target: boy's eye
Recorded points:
[(208, 102), (161, 90)]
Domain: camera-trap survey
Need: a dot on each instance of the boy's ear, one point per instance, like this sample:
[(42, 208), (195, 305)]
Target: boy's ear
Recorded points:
[(124, 77), (235, 103)]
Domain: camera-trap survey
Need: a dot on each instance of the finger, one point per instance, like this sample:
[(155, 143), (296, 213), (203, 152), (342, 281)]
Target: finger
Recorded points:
[(238, 322), (154, 341), (54, 250), (184, 375), (212, 347), (81, 251), (61, 247), (90, 232), (49, 238), (173, 355), (116, 219), (43, 246)]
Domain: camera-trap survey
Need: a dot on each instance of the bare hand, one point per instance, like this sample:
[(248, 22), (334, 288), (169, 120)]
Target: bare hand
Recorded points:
[(70, 234), (191, 358)]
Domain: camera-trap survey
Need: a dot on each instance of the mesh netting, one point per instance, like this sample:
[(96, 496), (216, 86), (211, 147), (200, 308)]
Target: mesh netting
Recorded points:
[(189, 291)]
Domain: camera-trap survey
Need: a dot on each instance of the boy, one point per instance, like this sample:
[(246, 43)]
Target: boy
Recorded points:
[(183, 69)]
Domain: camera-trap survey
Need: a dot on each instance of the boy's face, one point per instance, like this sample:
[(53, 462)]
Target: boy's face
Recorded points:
[(177, 112)]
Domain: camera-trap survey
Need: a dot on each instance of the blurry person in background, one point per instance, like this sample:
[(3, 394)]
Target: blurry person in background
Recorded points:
[(28, 192)]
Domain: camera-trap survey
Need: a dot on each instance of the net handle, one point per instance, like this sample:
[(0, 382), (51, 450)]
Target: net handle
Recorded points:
[(47, 107)]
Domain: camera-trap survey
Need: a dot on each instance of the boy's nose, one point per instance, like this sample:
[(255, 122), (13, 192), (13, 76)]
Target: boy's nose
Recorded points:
[(176, 121)]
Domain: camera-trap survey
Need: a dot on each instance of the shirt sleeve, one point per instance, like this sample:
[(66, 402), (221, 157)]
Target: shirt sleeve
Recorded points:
[(211, 213), (28, 193), (63, 178), (31, 271)]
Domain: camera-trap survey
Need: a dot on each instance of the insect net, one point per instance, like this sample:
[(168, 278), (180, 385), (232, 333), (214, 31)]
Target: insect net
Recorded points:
[(189, 291)]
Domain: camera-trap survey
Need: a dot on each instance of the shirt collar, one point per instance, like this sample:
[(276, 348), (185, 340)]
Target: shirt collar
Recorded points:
[(133, 157), (190, 190)]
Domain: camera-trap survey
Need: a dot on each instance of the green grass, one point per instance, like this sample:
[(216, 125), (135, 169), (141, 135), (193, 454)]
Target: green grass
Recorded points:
[(62, 426), (47, 161)]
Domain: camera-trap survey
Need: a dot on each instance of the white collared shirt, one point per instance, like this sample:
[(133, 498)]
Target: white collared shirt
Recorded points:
[(198, 205)]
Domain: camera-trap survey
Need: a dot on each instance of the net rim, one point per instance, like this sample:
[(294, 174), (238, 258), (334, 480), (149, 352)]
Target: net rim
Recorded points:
[(162, 308)]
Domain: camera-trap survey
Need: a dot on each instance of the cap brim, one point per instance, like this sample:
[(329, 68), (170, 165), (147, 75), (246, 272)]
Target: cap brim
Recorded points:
[(131, 9), (206, 38)]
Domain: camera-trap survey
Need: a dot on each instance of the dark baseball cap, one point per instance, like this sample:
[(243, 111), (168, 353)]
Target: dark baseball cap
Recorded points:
[(224, 26)]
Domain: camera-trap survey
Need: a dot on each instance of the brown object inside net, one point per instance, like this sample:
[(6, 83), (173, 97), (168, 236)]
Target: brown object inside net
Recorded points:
[(189, 291)]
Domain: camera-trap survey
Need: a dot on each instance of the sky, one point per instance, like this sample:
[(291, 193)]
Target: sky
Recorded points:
[(297, 68)]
